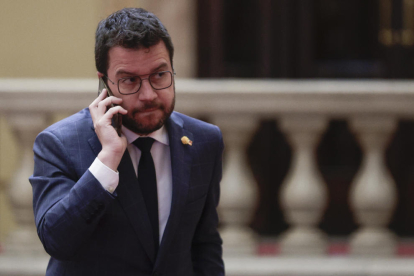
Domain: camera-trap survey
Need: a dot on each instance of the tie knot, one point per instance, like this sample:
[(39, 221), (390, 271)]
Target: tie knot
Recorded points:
[(144, 143)]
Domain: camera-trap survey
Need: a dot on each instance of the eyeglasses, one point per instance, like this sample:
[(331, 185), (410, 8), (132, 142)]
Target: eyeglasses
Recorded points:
[(131, 85)]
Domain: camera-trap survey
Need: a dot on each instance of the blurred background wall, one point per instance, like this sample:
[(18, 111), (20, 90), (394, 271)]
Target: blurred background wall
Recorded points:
[(55, 39)]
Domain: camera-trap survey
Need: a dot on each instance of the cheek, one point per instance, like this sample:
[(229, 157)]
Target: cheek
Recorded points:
[(126, 106), (167, 98), (129, 103)]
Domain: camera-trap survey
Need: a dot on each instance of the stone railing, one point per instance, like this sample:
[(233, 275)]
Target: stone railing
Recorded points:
[(302, 109)]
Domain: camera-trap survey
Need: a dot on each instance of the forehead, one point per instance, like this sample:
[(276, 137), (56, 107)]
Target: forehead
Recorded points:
[(137, 61)]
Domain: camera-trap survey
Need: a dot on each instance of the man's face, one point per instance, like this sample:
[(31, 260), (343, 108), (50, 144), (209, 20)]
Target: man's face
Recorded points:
[(149, 108)]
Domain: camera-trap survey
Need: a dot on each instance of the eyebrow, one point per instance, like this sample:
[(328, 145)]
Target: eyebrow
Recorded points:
[(124, 72)]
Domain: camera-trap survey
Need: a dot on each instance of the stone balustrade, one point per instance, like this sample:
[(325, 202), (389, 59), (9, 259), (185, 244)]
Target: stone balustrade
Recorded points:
[(302, 109)]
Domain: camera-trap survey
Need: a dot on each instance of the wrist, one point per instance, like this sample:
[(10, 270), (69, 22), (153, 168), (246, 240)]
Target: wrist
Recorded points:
[(110, 159)]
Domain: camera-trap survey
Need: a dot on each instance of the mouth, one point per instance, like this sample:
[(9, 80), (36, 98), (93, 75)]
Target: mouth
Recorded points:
[(148, 110)]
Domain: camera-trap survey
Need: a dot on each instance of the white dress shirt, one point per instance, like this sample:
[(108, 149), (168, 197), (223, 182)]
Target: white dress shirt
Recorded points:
[(160, 152)]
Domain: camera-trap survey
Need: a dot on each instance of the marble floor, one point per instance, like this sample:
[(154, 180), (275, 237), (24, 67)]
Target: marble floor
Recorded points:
[(256, 266)]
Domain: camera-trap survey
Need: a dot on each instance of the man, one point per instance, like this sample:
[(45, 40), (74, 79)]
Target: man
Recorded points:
[(143, 203)]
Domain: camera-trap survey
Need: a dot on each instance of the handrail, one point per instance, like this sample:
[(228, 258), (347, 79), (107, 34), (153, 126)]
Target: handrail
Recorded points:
[(334, 98)]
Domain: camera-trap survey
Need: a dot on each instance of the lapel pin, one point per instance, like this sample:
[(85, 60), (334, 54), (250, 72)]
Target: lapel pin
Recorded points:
[(186, 141)]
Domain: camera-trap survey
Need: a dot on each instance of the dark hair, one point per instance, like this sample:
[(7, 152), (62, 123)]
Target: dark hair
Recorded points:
[(130, 28)]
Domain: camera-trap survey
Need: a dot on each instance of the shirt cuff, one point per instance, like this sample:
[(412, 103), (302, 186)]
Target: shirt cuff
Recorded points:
[(106, 176)]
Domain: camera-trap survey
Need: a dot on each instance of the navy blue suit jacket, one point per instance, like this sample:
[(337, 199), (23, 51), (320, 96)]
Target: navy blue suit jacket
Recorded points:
[(88, 231)]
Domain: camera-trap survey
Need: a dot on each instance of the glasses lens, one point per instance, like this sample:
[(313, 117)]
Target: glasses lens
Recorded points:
[(129, 85), (160, 80)]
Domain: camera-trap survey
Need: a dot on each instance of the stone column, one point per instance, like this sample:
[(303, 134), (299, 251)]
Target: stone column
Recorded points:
[(24, 239), (304, 194), (373, 194), (238, 187)]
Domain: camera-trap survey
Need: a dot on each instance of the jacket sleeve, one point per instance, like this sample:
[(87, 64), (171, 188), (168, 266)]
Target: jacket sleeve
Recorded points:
[(207, 244), (67, 206)]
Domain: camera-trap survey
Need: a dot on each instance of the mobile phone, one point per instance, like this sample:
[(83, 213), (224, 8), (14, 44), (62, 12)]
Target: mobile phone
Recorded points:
[(117, 118)]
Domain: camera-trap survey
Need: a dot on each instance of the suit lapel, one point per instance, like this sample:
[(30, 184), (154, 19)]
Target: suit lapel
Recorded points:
[(181, 156)]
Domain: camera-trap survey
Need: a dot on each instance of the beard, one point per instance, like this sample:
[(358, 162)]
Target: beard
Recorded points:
[(144, 127)]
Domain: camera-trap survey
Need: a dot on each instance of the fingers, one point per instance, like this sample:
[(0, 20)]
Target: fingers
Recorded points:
[(100, 97), (114, 110), (99, 106), (107, 135), (105, 119), (103, 105), (93, 107)]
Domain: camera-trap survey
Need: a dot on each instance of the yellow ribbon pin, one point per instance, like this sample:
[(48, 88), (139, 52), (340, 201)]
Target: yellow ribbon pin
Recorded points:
[(186, 141)]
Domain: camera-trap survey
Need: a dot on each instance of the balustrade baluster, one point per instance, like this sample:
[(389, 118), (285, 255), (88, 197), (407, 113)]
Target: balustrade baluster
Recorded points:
[(24, 239), (373, 193), (304, 194), (238, 187)]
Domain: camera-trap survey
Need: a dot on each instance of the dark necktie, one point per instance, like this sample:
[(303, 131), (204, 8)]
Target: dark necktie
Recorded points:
[(147, 181)]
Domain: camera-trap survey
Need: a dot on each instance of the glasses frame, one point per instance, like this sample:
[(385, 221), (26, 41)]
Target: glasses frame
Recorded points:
[(142, 79)]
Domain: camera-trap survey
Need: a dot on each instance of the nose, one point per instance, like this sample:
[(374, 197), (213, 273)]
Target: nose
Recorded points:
[(146, 92)]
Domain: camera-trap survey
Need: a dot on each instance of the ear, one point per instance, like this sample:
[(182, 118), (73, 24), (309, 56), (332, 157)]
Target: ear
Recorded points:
[(100, 75)]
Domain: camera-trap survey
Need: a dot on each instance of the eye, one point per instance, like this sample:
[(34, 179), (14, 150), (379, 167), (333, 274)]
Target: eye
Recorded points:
[(159, 75), (130, 80)]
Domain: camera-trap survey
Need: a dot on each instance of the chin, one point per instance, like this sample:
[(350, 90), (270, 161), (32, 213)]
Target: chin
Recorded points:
[(144, 124)]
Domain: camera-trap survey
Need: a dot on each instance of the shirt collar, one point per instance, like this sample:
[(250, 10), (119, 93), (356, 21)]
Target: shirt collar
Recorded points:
[(159, 135)]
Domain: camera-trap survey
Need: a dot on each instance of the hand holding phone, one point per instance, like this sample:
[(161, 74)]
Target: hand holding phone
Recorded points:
[(117, 118), (105, 117)]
